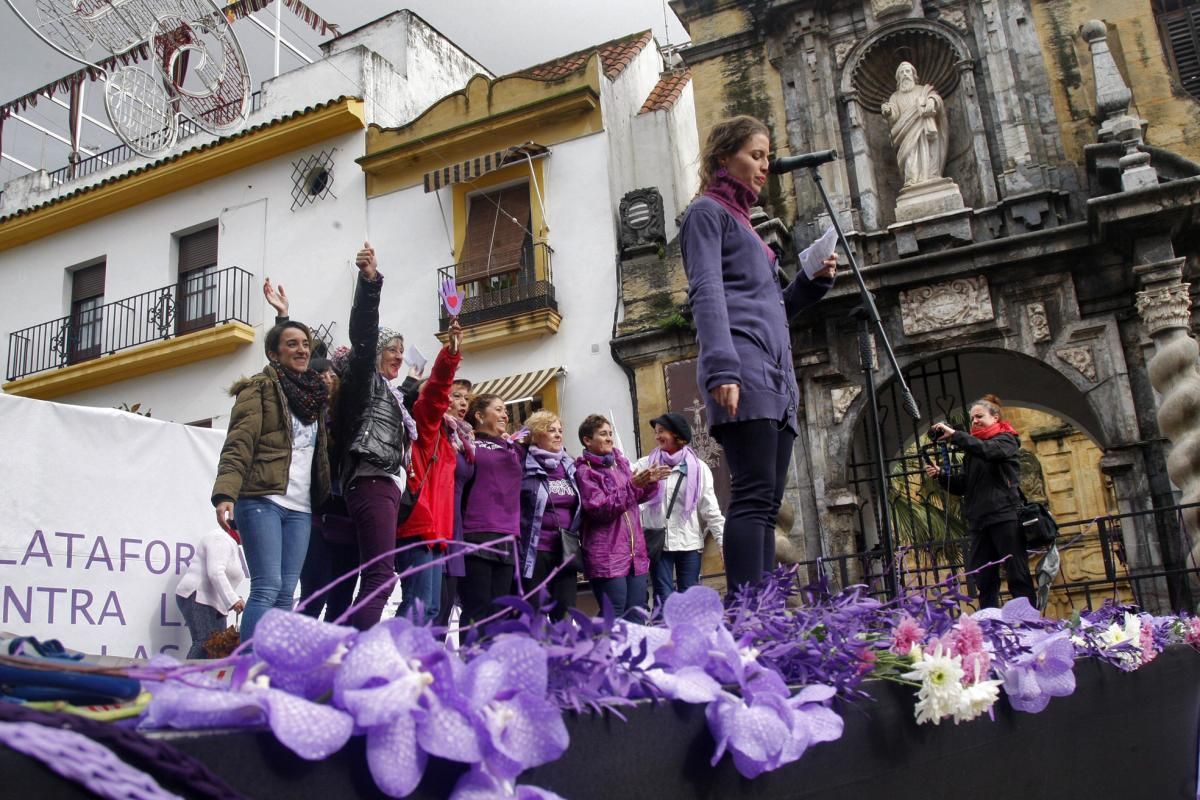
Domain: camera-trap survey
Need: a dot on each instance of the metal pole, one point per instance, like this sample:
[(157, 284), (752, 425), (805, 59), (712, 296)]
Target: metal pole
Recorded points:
[(883, 506)]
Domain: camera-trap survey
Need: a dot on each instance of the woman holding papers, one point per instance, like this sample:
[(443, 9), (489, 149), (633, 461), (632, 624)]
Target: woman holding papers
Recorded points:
[(745, 368)]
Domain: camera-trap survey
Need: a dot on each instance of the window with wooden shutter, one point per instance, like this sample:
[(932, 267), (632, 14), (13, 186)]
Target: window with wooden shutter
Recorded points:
[(87, 301), (1179, 26), (498, 242), (197, 293)]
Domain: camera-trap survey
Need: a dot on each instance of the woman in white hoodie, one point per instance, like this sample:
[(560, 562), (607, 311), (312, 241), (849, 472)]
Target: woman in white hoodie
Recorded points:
[(207, 592)]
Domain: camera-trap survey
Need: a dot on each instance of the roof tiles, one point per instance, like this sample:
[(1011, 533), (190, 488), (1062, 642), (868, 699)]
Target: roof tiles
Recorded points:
[(615, 56), (666, 91)]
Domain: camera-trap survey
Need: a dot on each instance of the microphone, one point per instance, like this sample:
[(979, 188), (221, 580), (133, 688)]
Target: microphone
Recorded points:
[(793, 163)]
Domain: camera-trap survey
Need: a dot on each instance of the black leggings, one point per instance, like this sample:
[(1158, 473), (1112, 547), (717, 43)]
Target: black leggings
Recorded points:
[(758, 453), (992, 543), (486, 580)]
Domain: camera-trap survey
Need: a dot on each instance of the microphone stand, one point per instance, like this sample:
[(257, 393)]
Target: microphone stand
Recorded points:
[(867, 315)]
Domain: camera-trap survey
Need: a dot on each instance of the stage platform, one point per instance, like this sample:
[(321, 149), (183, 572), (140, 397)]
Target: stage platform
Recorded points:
[(1120, 735)]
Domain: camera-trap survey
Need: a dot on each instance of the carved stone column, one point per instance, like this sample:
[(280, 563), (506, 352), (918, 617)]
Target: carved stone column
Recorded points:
[(1165, 308), (841, 510), (864, 167), (979, 144)]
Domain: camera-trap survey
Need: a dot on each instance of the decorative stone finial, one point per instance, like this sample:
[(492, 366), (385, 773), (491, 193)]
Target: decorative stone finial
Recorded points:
[(1112, 94)]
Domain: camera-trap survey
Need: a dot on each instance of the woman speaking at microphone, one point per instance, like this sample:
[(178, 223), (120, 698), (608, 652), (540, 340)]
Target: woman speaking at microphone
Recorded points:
[(745, 370)]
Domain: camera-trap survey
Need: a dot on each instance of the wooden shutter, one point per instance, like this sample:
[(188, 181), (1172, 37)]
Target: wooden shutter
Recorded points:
[(87, 282), (198, 250), (497, 224), (1180, 32)]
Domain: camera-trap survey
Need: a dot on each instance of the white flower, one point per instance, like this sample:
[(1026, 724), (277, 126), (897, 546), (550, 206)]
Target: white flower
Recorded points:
[(1129, 633), (941, 692), (976, 699)]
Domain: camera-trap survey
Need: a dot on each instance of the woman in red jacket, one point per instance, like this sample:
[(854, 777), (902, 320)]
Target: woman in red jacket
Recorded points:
[(432, 475)]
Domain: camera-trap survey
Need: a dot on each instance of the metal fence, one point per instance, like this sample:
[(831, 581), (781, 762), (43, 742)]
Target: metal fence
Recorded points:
[(122, 152), (1167, 583), (202, 301)]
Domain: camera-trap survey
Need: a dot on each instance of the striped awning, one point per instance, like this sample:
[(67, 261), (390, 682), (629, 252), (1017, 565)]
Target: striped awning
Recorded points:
[(516, 388), (481, 165)]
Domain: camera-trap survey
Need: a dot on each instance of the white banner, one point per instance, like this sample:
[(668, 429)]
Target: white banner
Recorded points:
[(101, 510)]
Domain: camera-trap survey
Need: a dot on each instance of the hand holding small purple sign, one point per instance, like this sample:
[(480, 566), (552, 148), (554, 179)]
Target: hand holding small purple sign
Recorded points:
[(452, 297)]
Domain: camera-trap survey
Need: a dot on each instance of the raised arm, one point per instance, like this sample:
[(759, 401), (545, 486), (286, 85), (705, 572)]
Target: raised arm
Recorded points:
[(999, 448)]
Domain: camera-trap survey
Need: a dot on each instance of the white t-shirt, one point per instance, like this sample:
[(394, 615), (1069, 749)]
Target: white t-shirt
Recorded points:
[(299, 491)]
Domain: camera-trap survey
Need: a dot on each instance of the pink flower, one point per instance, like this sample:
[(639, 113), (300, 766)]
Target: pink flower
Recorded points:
[(866, 661), (1146, 642), (1192, 636), (908, 633), (965, 640)]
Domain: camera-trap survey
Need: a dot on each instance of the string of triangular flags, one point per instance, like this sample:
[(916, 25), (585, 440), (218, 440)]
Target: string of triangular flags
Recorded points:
[(238, 9)]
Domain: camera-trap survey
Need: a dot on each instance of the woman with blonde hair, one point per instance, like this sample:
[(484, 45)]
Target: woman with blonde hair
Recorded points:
[(549, 511)]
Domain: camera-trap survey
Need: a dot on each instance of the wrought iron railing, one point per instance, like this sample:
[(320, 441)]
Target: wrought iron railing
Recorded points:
[(510, 283), (1165, 581), (201, 301), (122, 152)]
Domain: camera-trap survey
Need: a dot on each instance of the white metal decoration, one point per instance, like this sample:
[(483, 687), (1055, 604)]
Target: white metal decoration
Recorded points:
[(198, 73)]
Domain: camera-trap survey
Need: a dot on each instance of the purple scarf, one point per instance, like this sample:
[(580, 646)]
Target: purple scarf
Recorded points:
[(462, 436), (600, 461), (548, 460), (736, 198), (691, 493)]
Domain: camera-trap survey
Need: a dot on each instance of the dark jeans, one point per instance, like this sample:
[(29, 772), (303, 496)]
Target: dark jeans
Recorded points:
[(449, 598), (202, 622), (625, 593), (563, 587), (485, 581), (758, 454), (674, 570), (992, 543), (326, 562), (424, 585), (374, 504)]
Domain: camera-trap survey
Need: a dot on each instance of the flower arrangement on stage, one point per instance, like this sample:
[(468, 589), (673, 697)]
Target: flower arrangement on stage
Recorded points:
[(768, 664)]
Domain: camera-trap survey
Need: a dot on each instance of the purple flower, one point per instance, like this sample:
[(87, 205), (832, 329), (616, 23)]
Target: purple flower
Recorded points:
[(479, 784), (382, 683), (310, 730), (301, 653), (1046, 671), (764, 730), (503, 702)]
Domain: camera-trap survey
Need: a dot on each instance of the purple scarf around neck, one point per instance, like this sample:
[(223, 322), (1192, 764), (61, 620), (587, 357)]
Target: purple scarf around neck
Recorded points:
[(548, 460), (691, 490), (737, 198), (462, 436), (598, 460)]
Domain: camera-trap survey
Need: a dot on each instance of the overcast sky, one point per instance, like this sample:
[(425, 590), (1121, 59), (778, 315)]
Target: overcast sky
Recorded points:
[(503, 35)]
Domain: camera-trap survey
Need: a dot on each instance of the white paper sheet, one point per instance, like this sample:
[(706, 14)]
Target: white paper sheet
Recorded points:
[(818, 251)]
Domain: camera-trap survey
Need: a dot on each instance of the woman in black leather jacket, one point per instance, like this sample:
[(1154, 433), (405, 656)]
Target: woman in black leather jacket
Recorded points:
[(988, 482), (373, 439)]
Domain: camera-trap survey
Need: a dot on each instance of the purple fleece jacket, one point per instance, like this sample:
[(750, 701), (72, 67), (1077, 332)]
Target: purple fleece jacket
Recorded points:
[(492, 504), (741, 313), (611, 533)]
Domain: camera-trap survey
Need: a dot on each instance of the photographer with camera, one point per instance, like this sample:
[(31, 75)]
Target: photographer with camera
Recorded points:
[(988, 482)]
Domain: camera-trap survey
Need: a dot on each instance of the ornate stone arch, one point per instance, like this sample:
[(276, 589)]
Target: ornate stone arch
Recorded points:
[(934, 48)]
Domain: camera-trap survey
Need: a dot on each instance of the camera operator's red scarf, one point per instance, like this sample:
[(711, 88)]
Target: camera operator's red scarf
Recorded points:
[(993, 429)]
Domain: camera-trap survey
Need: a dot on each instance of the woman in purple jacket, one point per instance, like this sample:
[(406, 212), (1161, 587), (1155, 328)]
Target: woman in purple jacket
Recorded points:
[(491, 509), (549, 508), (614, 546), (745, 369)]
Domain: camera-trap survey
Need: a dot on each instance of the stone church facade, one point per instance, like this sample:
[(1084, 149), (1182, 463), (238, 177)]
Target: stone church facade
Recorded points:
[(1058, 280)]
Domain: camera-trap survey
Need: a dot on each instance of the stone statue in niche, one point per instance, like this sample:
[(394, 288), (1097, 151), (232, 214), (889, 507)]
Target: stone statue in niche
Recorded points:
[(919, 130), (918, 119)]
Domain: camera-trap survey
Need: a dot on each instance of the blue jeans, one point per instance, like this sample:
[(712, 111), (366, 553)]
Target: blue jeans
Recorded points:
[(275, 540), (425, 585), (674, 570), (624, 593)]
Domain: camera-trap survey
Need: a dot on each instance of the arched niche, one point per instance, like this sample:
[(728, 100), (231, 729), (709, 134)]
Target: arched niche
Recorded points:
[(942, 58)]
